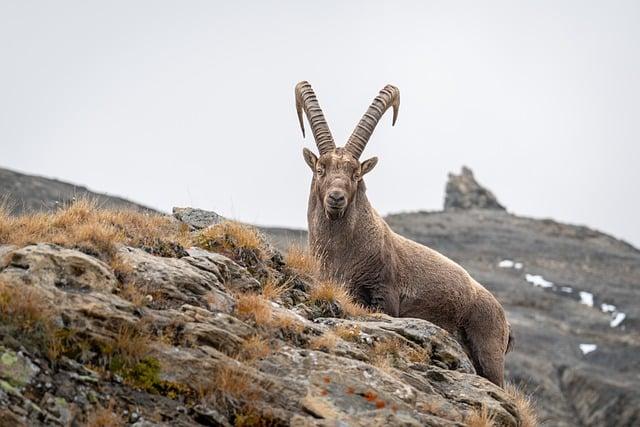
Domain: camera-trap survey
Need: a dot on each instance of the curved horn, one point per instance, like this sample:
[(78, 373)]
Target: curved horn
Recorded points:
[(306, 100), (389, 96)]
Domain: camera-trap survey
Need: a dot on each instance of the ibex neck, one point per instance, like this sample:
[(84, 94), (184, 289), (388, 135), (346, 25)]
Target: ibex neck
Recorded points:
[(333, 237)]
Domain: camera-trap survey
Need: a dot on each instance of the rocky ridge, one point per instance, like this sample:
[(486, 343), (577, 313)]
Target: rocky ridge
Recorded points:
[(221, 333)]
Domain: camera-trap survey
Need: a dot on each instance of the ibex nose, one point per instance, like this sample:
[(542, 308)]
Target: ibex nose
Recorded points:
[(336, 198)]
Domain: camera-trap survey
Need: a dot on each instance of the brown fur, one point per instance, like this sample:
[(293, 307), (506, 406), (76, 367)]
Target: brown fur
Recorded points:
[(387, 271)]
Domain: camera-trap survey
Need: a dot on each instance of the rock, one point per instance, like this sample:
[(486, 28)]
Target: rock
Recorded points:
[(197, 219), (16, 368), (191, 356), (464, 192)]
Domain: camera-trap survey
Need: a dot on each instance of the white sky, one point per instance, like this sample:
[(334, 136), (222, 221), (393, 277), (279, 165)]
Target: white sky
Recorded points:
[(191, 103)]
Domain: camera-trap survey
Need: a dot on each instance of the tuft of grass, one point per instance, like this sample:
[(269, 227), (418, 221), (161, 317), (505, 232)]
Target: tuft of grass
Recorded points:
[(228, 388), (480, 418), (230, 236), (253, 307), (327, 342), (348, 332), (104, 417), (254, 348), (26, 315), (84, 225), (525, 405), (130, 345), (329, 291), (389, 352), (302, 261), (272, 290)]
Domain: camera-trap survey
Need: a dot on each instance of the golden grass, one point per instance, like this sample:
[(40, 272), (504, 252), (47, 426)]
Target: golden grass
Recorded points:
[(287, 323), (227, 386), (347, 332), (128, 347), (230, 236), (104, 417), (302, 261), (388, 352), (85, 225), (330, 291), (254, 348), (272, 290), (525, 405), (327, 342), (25, 314), (480, 418), (253, 307)]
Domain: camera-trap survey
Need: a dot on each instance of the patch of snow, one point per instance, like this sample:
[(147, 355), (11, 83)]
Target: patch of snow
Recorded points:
[(537, 280), (587, 348), (566, 289), (618, 318), (586, 298), (507, 263), (607, 308)]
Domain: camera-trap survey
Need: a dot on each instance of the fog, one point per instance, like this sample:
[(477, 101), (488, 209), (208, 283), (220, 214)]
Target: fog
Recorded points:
[(191, 103)]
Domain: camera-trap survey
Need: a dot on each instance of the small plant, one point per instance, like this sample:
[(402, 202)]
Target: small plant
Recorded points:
[(230, 237), (301, 261), (525, 405), (253, 307), (332, 292), (104, 417), (253, 348), (480, 417), (390, 352), (348, 332), (327, 342), (272, 290)]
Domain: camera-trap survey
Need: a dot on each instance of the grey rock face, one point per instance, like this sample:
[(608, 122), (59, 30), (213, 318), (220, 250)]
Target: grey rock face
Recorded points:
[(197, 219), (196, 336), (464, 192)]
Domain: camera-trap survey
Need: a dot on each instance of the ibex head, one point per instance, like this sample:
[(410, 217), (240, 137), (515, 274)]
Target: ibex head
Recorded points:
[(337, 172)]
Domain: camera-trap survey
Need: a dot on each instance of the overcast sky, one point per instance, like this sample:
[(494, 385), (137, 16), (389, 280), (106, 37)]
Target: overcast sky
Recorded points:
[(191, 103)]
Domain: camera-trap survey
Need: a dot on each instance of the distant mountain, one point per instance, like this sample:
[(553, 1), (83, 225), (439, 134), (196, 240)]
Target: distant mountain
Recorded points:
[(35, 193)]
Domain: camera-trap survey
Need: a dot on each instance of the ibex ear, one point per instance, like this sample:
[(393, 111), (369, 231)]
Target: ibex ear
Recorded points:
[(368, 164), (310, 158)]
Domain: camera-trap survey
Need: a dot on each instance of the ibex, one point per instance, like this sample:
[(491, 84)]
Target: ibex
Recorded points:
[(382, 269)]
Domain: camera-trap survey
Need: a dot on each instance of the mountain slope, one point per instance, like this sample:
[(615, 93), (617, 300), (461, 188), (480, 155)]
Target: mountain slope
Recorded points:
[(33, 193)]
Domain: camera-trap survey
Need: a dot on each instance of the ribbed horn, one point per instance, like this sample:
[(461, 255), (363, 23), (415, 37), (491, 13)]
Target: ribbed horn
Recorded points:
[(306, 100), (389, 96)]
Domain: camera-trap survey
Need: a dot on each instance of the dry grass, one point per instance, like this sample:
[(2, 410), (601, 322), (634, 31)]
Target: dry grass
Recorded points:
[(134, 293), (480, 418), (129, 346), (287, 323), (272, 290), (348, 332), (302, 261), (326, 342), (333, 292), (253, 307), (85, 226), (26, 315), (104, 417), (525, 405), (230, 236), (388, 352), (228, 386), (254, 348)]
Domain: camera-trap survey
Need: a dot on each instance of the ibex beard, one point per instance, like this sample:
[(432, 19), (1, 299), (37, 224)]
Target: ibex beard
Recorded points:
[(382, 269)]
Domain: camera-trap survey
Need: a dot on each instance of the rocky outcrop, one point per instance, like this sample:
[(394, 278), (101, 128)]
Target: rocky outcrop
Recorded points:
[(190, 340), (464, 192)]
